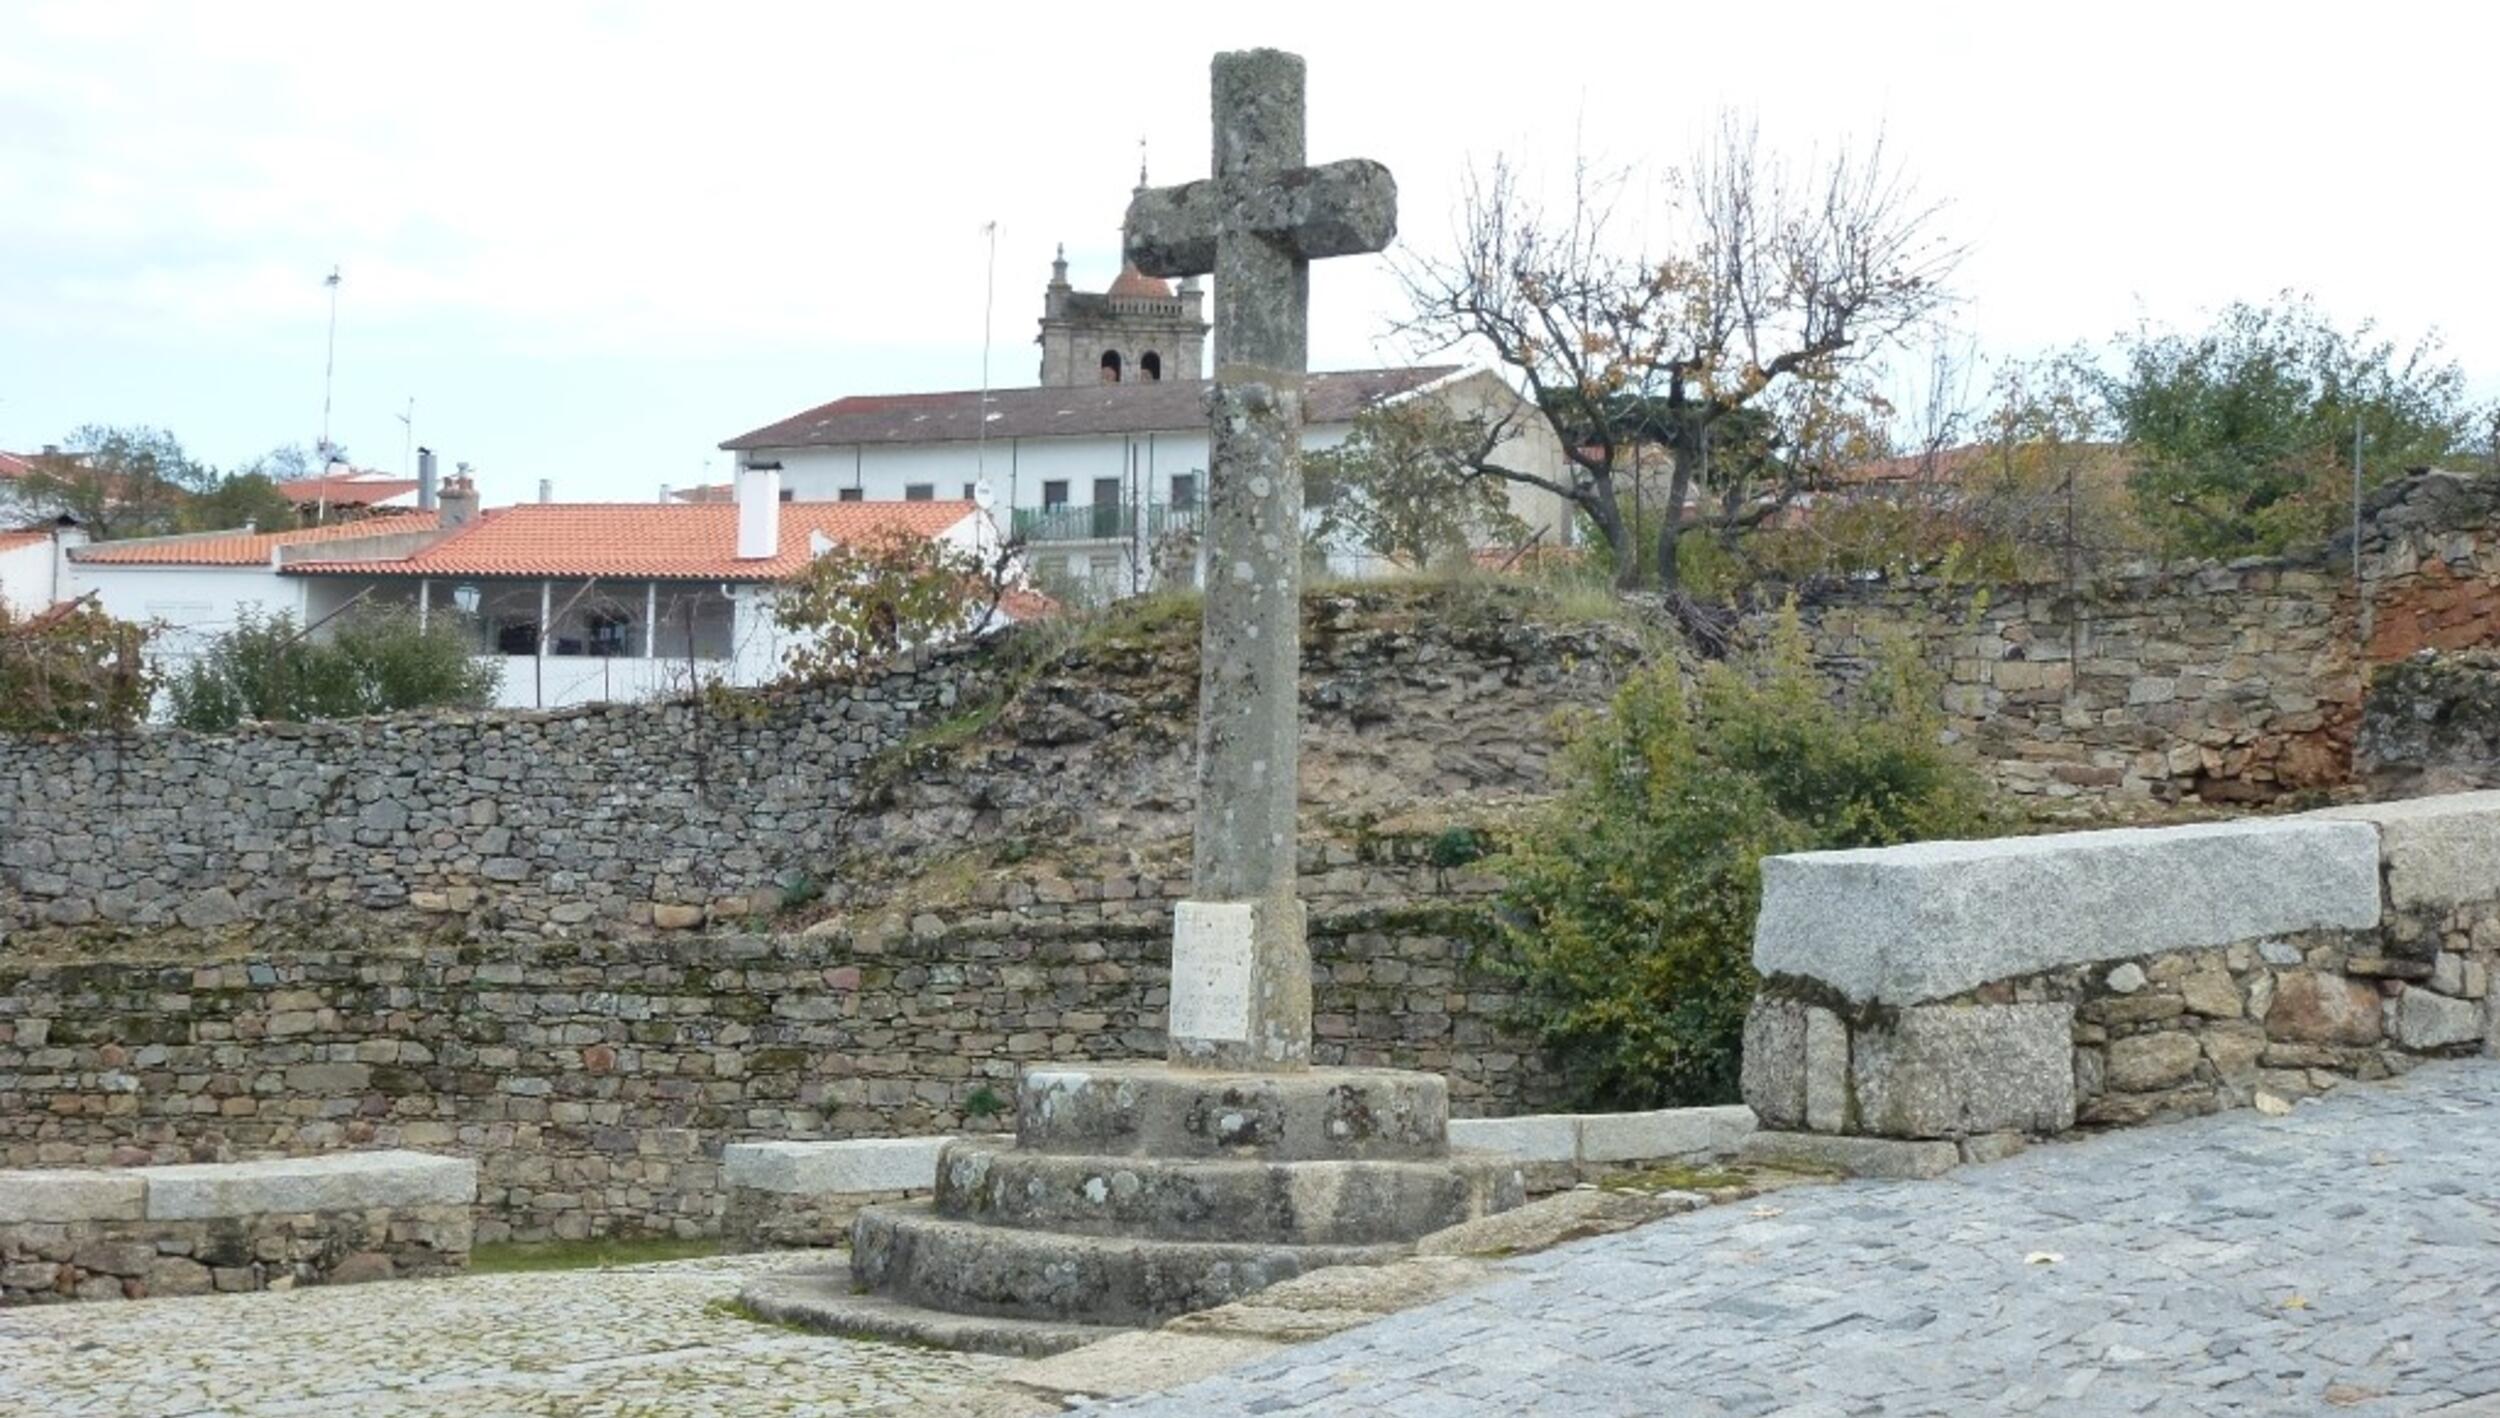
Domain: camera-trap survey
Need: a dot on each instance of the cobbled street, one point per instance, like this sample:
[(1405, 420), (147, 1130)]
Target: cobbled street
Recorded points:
[(623, 1343), (2344, 1259)]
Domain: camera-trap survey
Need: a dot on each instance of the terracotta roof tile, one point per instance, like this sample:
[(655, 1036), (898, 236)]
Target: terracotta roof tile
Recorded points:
[(1167, 406), (346, 492), (644, 540), (1134, 284), (240, 548), (15, 465)]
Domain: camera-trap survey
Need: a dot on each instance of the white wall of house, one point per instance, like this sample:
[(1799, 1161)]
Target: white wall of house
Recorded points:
[(35, 575), (191, 604)]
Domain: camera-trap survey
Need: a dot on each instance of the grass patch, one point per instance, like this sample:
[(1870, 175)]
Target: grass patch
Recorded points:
[(597, 1253)]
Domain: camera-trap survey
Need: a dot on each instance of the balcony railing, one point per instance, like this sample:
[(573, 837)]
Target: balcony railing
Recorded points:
[(1102, 522)]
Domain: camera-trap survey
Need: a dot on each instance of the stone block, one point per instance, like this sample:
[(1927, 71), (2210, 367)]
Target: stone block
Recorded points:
[(1546, 1137), (860, 1164), (2425, 1020), (2440, 851), (1958, 1070), (2143, 1063), (2311, 1007), (1857, 1156), (340, 1181), (1668, 1132), (1905, 925), (59, 1196), (1795, 1071)]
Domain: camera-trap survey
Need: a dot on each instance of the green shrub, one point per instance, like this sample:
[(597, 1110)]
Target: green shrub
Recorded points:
[(71, 670), (1628, 912), (368, 662)]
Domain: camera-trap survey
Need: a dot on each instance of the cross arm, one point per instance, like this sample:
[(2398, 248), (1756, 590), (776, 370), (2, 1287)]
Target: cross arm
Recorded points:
[(1338, 209)]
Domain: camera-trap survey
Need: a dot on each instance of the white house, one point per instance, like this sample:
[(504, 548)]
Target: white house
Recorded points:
[(1096, 476), (33, 565), (576, 602)]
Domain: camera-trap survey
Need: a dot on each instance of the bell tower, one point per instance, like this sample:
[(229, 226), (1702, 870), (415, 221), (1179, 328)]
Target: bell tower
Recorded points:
[(1139, 330)]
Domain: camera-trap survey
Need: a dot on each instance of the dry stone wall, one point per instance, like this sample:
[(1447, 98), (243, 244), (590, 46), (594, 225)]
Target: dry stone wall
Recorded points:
[(596, 1081), (2216, 684)]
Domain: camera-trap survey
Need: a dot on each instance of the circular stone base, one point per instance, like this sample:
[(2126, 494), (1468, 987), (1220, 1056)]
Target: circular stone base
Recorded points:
[(1158, 1110), (1255, 1200)]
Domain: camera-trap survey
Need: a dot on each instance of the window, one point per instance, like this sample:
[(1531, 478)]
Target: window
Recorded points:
[(1150, 366), (1185, 492), (1055, 494), (972, 492), (848, 494), (1107, 507), (789, 494), (608, 633), (920, 492), (1110, 366), (517, 637)]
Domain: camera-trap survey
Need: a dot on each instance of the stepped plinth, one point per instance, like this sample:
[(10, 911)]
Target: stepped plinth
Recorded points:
[(1138, 1192)]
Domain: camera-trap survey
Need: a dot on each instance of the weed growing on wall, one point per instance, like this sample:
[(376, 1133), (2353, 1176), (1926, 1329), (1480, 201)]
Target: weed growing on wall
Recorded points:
[(1628, 915)]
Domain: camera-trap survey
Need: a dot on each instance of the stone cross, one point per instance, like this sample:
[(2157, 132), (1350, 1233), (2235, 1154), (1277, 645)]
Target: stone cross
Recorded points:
[(1241, 969)]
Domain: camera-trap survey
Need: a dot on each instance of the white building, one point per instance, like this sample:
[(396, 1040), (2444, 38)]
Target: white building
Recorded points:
[(1096, 477), (575, 602), (34, 566)]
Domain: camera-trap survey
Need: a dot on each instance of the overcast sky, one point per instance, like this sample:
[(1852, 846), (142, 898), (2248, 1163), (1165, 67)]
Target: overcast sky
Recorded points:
[(594, 241)]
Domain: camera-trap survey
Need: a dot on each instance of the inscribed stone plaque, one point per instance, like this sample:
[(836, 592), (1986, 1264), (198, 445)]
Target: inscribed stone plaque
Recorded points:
[(1212, 949)]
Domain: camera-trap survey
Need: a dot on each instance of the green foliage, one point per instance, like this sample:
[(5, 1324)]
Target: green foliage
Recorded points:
[(237, 500), (1628, 913), (2246, 429), (984, 1102), (860, 603), (1402, 486), (71, 671), (1457, 847), (118, 482), (367, 661)]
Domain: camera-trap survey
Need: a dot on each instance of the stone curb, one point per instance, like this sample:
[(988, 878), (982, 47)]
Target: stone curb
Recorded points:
[(1608, 1137), (859, 1164), (65, 1195), (345, 1181)]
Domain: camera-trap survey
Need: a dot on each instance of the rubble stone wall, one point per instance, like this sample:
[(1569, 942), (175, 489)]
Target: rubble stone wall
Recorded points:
[(596, 1081), (2217, 684)]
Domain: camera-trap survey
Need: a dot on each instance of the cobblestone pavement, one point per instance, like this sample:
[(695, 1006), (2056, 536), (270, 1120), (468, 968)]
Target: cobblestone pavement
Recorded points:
[(2344, 1259), (643, 1340)]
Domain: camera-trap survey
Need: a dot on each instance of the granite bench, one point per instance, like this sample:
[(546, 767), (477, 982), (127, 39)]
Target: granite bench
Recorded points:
[(128, 1233), (1925, 1004)]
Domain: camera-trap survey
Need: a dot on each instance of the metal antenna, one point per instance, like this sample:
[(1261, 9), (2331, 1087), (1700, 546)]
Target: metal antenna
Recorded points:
[(329, 365), (408, 436), (989, 302)]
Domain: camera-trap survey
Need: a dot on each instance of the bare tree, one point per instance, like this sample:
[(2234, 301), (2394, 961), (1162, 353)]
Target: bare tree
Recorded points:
[(1762, 292)]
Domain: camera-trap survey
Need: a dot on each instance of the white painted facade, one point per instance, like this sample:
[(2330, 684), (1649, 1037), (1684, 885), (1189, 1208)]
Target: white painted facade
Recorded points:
[(1138, 470), (34, 573), (189, 604)]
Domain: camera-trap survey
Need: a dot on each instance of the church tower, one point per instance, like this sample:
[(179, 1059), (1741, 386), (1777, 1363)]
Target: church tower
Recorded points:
[(1139, 330)]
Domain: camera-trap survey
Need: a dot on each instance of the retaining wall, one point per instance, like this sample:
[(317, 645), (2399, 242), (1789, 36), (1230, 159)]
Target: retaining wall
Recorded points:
[(129, 1233), (1955, 995)]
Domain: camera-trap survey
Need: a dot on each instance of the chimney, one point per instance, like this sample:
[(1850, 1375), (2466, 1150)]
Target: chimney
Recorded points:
[(426, 481), (458, 502), (546, 489), (666, 495), (759, 512)]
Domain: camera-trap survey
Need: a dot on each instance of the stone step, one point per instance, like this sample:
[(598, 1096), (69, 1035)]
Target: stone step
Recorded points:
[(1300, 1203), (1154, 1109), (827, 1300), (908, 1253)]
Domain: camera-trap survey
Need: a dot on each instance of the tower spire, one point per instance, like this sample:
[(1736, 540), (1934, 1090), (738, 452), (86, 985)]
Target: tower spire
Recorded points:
[(1141, 162)]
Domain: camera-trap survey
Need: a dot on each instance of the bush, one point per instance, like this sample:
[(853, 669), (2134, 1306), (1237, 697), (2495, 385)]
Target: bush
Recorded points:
[(861, 603), (1629, 909), (71, 670), (370, 662)]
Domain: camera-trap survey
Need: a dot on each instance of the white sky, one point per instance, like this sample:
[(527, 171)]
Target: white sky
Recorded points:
[(594, 241)]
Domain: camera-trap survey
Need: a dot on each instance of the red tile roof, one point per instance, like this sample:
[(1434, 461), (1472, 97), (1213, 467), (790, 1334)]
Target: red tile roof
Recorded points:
[(11, 541), (346, 492), (15, 465), (1146, 406), (240, 548), (644, 540), (1134, 284)]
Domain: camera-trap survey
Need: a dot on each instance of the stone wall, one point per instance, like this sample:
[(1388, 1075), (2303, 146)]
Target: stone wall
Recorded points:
[(606, 818), (2215, 684), (2431, 724), (1952, 994), (130, 1233), (596, 1081)]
